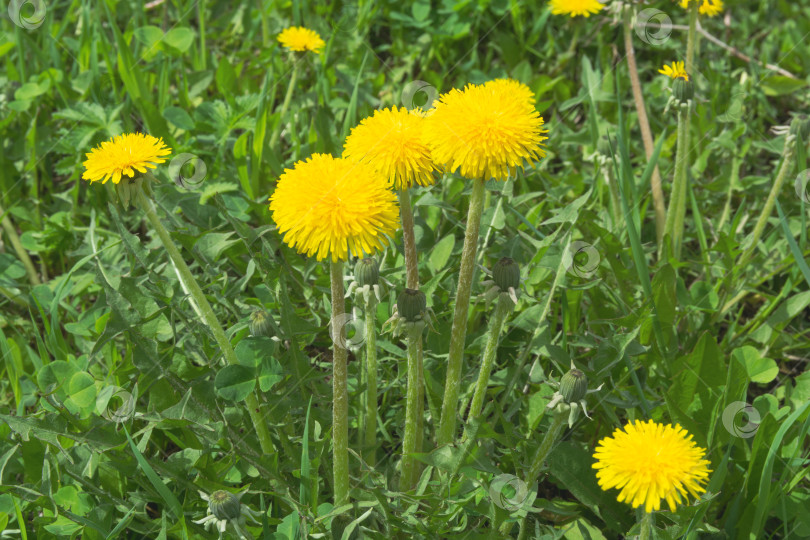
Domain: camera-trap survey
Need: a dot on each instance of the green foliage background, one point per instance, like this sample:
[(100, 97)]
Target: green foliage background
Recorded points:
[(111, 321)]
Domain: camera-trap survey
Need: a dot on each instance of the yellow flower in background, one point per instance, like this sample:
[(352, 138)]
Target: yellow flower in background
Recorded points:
[(650, 462), (334, 207), (707, 7), (576, 7), (486, 131), (124, 155), (675, 71), (298, 38), (393, 142)]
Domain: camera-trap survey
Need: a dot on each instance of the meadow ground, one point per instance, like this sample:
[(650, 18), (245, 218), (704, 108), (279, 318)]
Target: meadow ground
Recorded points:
[(610, 332)]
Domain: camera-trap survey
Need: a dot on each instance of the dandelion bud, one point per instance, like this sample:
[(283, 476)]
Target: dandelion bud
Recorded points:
[(800, 125), (683, 89), (367, 272), (573, 386), (224, 505), (506, 274), (411, 305), (603, 146), (261, 325)]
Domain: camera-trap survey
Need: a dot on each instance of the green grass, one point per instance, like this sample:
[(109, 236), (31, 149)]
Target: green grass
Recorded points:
[(699, 340)]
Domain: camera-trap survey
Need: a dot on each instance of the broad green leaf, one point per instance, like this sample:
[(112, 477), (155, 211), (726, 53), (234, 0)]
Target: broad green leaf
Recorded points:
[(235, 383), (441, 253), (759, 369), (82, 389)]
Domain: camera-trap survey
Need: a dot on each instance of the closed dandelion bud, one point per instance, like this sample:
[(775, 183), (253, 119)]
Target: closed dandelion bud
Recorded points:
[(224, 505), (603, 146), (573, 386), (800, 125), (260, 324), (506, 274), (367, 272), (411, 304), (683, 89)]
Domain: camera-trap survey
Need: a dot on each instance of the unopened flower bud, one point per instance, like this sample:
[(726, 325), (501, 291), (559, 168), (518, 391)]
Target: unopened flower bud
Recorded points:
[(800, 125), (367, 272), (683, 89), (224, 505), (411, 305), (573, 386), (603, 146), (261, 325), (506, 274)]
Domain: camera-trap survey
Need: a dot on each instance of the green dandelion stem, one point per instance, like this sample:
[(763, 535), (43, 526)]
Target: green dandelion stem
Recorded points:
[(677, 202), (762, 222), (732, 185), (412, 281), (207, 313), (447, 424), (370, 440), (11, 232), (691, 37), (646, 527), (340, 399), (285, 105), (408, 240), (502, 311), (644, 126), (420, 404), (407, 479), (553, 433)]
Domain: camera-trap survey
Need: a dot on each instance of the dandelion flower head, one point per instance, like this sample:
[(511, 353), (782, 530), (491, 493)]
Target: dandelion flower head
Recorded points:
[(334, 207), (124, 155), (651, 462)]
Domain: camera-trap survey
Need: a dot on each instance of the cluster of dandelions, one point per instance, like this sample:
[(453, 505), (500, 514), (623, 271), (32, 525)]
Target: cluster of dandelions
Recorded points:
[(586, 8), (349, 208)]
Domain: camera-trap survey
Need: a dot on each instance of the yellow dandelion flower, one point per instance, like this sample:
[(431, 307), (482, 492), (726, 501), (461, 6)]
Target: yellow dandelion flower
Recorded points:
[(707, 7), (124, 154), (675, 71), (576, 7), (298, 38), (392, 141), (650, 462), (486, 131), (336, 207)]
